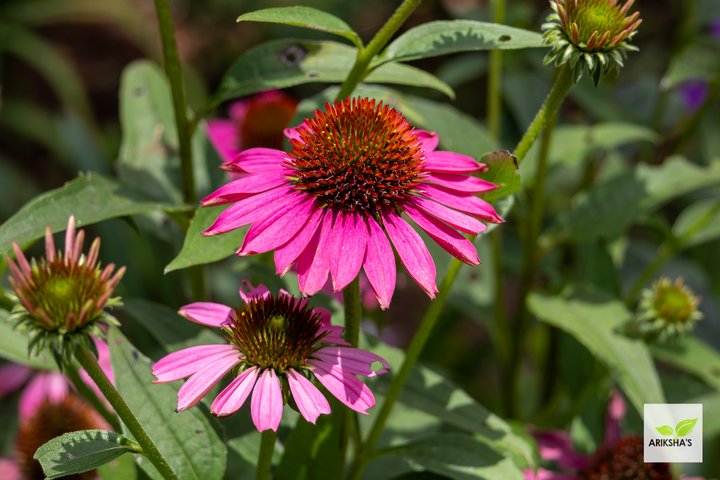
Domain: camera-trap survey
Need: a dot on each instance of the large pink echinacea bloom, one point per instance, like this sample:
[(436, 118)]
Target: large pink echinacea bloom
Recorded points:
[(274, 343), (357, 176)]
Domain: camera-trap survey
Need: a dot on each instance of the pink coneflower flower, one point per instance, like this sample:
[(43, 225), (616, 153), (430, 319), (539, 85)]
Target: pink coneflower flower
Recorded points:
[(335, 203), (62, 294), (275, 344), (257, 121), (618, 458)]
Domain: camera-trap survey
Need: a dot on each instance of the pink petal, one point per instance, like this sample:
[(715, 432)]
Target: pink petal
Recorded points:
[(462, 222), (249, 210), (225, 137), (238, 109), (557, 446), (189, 361), (613, 416), (346, 388), (206, 313), (465, 203), (544, 474), (461, 183), (292, 133), (277, 229), (379, 264), (243, 187), (352, 360), (12, 377), (202, 381), (449, 239), (258, 160), (45, 386), (266, 404), (249, 292), (450, 162), (286, 255), (429, 140), (349, 240), (10, 470), (412, 251), (309, 400), (314, 263), (234, 395)]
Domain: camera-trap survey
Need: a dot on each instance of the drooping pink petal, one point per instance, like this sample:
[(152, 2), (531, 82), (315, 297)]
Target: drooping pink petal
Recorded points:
[(352, 360), (557, 446), (250, 292), (450, 162), (202, 381), (12, 377), (243, 187), (379, 263), (234, 395), (276, 230), (267, 403), (465, 203), (462, 222), (344, 386), (412, 251), (206, 313), (288, 254), (10, 470), (223, 135), (429, 140), (449, 239), (613, 416), (313, 264), (250, 209), (461, 183), (188, 361), (50, 386), (258, 160), (309, 400), (349, 241)]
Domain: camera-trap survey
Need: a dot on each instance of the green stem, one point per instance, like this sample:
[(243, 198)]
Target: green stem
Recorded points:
[(89, 394), (398, 382), (494, 95), (382, 37), (562, 82), (353, 311), (267, 445), (87, 360)]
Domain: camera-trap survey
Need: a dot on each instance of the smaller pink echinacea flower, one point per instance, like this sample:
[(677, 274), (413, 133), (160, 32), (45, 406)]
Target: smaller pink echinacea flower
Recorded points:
[(277, 344), (356, 180)]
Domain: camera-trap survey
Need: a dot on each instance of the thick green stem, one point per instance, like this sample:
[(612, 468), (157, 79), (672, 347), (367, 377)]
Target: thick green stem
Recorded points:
[(89, 394), (381, 38), (398, 382), (494, 95), (562, 82), (267, 445), (353, 311), (87, 360)]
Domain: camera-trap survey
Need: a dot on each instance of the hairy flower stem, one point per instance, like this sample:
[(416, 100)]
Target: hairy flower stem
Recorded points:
[(366, 54), (353, 317), (87, 360), (398, 382), (185, 129), (267, 445), (88, 394)]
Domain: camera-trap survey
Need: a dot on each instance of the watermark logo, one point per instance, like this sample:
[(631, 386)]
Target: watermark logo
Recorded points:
[(673, 432)]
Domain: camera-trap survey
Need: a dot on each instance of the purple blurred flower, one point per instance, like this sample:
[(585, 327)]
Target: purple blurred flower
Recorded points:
[(694, 92)]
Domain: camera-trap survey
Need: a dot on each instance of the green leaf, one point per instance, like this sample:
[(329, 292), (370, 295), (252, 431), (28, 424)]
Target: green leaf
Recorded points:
[(698, 223), (199, 250), (594, 322), (149, 158), (699, 60), (81, 451), (187, 440), (684, 427), (502, 171), (286, 63), (122, 468), (458, 456), (443, 37), (90, 197), (665, 430), (313, 451), (693, 356), (14, 346), (304, 17)]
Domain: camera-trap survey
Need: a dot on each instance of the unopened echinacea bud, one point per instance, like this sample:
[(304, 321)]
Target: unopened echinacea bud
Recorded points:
[(668, 309)]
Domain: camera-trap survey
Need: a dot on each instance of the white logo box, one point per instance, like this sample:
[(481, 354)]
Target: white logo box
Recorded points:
[(669, 445)]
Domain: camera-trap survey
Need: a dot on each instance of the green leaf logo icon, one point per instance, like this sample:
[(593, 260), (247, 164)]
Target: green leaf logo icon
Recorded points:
[(684, 427), (667, 430)]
